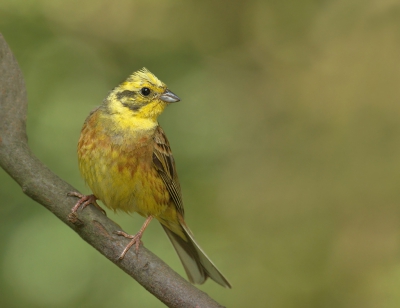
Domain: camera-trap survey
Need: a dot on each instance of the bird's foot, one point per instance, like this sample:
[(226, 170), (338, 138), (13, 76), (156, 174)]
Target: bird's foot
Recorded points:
[(84, 201), (135, 239)]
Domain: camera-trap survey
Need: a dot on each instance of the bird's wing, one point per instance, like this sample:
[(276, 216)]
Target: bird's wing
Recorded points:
[(165, 164)]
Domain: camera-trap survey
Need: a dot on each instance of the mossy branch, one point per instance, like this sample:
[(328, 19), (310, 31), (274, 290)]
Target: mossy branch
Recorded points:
[(46, 188)]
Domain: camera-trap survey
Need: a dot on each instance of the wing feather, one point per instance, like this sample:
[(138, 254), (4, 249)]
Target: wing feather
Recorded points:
[(165, 164)]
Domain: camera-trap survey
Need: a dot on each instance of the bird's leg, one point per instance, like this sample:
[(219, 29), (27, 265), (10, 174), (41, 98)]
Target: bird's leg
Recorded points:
[(136, 239), (84, 201)]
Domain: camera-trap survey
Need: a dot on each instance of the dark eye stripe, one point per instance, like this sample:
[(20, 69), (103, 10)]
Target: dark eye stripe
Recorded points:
[(126, 93)]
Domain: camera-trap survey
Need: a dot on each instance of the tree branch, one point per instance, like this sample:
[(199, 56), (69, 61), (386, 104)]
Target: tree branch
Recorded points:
[(39, 183)]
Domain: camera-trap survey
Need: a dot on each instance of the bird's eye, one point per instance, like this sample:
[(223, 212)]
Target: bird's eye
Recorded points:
[(145, 91)]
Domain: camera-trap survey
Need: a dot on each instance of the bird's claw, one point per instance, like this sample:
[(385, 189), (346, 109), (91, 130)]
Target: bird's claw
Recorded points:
[(135, 240), (84, 201)]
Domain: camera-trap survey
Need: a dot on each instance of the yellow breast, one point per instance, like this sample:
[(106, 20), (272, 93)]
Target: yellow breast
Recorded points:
[(116, 161)]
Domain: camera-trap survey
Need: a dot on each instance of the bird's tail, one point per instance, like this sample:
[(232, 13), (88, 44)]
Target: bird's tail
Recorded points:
[(197, 265)]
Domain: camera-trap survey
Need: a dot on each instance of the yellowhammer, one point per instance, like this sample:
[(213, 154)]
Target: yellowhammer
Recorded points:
[(125, 158)]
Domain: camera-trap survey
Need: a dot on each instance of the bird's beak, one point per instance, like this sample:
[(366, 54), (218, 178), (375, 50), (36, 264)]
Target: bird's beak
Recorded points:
[(169, 97)]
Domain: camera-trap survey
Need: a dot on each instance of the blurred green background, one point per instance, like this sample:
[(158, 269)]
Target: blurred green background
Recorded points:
[(287, 143)]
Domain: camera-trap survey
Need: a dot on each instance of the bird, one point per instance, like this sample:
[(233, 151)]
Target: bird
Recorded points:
[(126, 160)]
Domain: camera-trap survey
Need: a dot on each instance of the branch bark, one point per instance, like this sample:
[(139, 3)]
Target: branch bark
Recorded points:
[(46, 188)]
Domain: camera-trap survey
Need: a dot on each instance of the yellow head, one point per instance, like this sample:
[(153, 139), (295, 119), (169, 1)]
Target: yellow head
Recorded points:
[(142, 95)]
